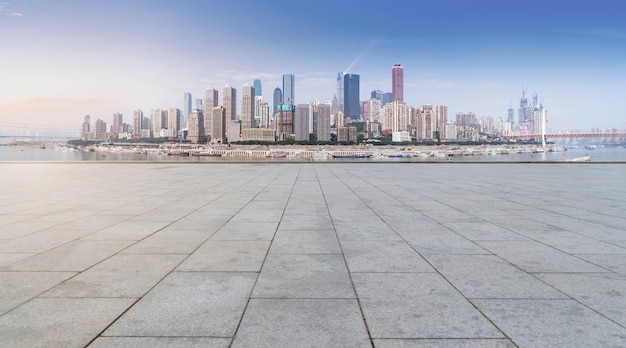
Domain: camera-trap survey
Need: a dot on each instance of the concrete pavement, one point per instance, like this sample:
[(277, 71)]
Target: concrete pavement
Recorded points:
[(312, 255)]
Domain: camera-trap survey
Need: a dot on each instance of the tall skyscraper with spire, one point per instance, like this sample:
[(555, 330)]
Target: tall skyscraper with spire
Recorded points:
[(397, 83), (340, 101), (230, 102), (186, 110), (352, 106), (289, 89), (258, 101), (247, 106)]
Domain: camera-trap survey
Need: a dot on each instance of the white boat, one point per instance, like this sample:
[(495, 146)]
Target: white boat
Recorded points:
[(579, 159)]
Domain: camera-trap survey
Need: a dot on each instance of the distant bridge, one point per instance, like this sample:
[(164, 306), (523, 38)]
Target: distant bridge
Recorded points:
[(569, 135)]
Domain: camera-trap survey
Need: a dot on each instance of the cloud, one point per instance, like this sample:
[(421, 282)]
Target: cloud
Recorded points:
[(16, 14)]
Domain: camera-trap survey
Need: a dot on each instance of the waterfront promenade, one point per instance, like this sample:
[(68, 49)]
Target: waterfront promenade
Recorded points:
[(312, 255)]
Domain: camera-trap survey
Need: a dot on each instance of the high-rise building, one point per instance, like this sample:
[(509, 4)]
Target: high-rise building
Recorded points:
[(159, 121), (351, 107), (525, 109), (195, 126), (117, 123), (137, 123), (173, 122), (230, 102), (397, 83), (247, 106), (340, 95), (284, 120), (278, 99), (377, 94), (257, 88), (511, 114), (199, 104), (100, 129), (301, 122), (218, 126), (289, 89), (441, 115), (211, 100), (265, 118), (322, 127), (186, 110), (387, 98)]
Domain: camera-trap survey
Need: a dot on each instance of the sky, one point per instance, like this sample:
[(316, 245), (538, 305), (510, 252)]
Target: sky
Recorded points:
[(63, 59)]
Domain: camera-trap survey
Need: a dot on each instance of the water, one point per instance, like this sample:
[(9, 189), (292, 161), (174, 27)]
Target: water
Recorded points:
[(11, 153)]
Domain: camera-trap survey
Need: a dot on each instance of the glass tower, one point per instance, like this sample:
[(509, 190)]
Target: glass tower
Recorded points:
[(289, 89), (352, 107)]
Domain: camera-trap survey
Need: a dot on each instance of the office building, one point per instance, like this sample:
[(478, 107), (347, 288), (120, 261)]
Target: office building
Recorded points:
[(322, 126), (195, 127), (346, 134), (289, 89), (186, 110), (397, 83), (340, 96), (257, 88), (377, 94), (387, 98), (159, 121), (117, 123), (230, 102), (301, 122), (265, 118), (351, 107), (218, 125), (247, 106), (284, 120), (173, 121), (137, 123), (278, 99), (211, 100)]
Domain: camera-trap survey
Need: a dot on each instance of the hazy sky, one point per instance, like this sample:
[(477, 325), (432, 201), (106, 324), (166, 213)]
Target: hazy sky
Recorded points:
[(63, 59)]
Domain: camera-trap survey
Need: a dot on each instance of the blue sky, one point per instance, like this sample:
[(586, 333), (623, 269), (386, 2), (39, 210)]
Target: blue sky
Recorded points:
[(61, 60)]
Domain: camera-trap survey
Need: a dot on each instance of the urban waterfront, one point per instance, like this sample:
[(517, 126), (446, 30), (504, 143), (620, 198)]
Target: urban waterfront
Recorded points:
[(598, 154)]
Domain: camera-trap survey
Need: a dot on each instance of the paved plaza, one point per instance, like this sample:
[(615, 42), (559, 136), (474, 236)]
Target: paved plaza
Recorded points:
[(312, 255)]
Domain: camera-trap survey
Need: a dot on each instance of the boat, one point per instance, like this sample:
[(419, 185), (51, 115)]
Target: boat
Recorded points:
[(590, 147), (203, 153), (579, 159), (356, 155)]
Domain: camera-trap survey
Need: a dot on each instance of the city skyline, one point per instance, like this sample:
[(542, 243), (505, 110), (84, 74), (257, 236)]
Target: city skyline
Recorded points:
[(70, 59)]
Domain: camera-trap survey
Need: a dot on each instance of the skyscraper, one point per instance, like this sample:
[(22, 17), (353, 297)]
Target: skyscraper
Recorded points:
[(86, 128), (210, 101), (173, 122), (289, 89), (186, 110), (387, 98), (247, 106), (378, 95), (117, 122), (340, 96), (218, 126), (352, 107), (195, 126), (322, 129), (301, 122), (137, 123), (278, 99), (257, 88), (397, 83), (230, 102)]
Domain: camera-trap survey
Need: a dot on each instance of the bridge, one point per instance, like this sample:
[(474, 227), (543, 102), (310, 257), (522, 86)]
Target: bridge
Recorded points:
[(569, 135)]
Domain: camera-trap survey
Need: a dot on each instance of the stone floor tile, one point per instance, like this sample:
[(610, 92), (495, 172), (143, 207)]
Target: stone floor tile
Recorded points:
[(441, 242), (383, 256), (483, 231), (305, 242), (9, 259), (59, 322), (170, 242), (303, 276), (246, 230), (532, 256), (615, 263), (190, 304), (602, 292), (19, 287), (131, 230), (552, 323), (488, 276), (302, 323), (306, 223), (122, 275), (160, 342), (443, 343), (74, 256), (227, 256), (418, 305)]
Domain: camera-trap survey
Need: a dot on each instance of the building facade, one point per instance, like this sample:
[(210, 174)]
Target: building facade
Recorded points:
[(247, 106), (230, 102), (397, 83), (351, 107), (289, 89), (301, 122)]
